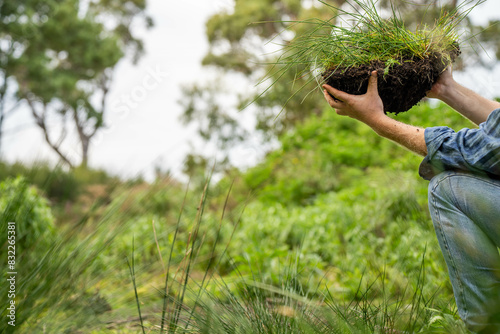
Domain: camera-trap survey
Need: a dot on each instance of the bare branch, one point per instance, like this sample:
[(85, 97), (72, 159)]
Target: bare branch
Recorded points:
[(63, 131), (40, 118)]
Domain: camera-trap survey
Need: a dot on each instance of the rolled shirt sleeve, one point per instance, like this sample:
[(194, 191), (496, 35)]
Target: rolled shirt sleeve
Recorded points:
[(472, 150)]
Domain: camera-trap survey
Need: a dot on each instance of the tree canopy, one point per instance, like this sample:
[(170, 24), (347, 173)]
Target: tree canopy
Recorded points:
[(58, 57)]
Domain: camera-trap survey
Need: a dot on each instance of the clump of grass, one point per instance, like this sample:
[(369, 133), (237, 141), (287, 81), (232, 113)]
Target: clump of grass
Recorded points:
[(249, 305), (361, 36), (373, 38), (345, 48), (57, 268)]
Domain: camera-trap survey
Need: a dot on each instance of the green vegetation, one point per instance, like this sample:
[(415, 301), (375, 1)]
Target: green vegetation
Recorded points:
[(53, 266), (325, 235), (330, 233), (56, 183), (332, 43), (343, 49)]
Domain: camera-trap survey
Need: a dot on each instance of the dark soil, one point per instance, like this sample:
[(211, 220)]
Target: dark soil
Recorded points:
[(400, 89)]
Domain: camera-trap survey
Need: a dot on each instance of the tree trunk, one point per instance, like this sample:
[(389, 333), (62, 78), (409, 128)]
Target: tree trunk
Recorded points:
[(85, 152)]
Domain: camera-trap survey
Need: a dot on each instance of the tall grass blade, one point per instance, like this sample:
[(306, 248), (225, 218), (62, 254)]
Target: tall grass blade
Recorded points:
[(131, 267)]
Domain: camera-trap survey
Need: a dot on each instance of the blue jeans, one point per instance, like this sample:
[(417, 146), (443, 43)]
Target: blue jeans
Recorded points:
[(465, 209)]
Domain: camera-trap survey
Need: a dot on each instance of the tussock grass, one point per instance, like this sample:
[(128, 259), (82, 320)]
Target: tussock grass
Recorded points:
[(361, 35), (358, 34), (57, 291), (56, 269), (59, 284), (203, 302)]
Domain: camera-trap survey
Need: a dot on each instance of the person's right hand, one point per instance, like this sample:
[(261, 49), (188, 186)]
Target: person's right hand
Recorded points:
[(443, 83), (367, 108)]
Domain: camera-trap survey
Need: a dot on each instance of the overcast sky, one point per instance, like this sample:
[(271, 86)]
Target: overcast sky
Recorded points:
[(143, 128)]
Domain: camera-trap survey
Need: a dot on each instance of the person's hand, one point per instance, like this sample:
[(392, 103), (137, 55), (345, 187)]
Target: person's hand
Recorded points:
[(367, 108), (443, 83)]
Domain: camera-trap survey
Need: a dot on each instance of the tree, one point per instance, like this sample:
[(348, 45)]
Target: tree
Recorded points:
[(237, 39), (13, 33), (61, 56)]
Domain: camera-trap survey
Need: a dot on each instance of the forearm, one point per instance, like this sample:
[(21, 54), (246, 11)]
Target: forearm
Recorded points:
[(369, 109), (411, 137), (468, 103)]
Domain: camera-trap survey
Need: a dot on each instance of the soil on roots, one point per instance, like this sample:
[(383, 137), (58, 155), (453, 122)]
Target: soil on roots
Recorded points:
[(401, 88)]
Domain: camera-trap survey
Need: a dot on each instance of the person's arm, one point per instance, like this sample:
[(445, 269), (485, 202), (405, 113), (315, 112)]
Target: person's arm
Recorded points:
[(465, 101), (369, 109)]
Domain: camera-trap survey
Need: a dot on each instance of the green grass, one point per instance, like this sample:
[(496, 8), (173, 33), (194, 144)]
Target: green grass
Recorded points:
[(248, 303), (55, 267), (70, 288), (322, 252), (361, 36)]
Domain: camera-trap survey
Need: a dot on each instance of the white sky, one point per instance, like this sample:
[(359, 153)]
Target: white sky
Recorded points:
[(144, 131)]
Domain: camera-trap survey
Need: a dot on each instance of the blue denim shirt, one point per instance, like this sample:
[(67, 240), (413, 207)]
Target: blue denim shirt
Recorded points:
[(471, 150)]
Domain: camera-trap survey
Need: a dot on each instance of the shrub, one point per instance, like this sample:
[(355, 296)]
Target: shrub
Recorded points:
[(21, 203)]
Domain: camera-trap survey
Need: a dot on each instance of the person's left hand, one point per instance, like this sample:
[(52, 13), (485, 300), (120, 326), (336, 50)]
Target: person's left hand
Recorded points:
[(367, 108)]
